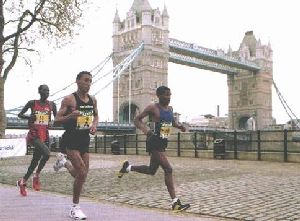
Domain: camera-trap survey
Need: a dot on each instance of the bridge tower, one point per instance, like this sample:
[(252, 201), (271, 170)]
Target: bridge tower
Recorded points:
[(250, 94), (150, 69)]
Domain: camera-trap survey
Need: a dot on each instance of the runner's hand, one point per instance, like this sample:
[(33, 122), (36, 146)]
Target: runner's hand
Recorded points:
[(93, 130)]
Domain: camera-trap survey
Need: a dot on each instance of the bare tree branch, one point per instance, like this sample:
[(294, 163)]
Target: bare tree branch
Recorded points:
[(20, 30), (15, 21), (49, 23), (25, 49), (16, 51)]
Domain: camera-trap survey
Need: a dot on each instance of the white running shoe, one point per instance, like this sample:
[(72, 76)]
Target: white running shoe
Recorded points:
[(60, 162), (76, 213)]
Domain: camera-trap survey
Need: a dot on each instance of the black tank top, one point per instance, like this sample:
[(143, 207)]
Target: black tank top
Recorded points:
[(85, 120)]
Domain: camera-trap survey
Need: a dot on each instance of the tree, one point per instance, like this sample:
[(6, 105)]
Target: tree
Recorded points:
[(23, 21)]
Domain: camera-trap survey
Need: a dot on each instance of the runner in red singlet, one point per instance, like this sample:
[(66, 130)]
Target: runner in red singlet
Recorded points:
[(38, 136)]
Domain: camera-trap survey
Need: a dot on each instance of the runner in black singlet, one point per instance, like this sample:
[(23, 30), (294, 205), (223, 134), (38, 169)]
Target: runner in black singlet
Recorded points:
[(79, 115), (157, 140)]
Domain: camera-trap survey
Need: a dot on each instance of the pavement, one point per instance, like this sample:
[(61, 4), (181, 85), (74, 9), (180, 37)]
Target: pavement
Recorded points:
[(45, 206), (216, 190)]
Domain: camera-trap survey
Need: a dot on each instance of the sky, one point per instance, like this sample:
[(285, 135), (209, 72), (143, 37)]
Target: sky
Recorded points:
[(214, 24)]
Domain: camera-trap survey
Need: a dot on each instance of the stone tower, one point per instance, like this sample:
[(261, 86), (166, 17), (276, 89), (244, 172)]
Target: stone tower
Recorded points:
[(250, 94), (150, 69)]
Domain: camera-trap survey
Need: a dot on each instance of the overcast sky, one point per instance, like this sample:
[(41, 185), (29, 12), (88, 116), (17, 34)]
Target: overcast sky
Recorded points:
[(211, 23)]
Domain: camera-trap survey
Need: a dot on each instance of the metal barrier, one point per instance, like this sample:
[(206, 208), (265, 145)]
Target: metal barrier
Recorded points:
[(253, 145)]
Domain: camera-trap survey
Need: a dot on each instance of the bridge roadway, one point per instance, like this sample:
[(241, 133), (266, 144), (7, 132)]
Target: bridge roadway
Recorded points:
[(197, 56), (219, 189), (109, 127)]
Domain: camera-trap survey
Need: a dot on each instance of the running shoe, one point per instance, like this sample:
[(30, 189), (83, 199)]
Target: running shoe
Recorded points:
[(178, 206), (36, 185), (76, 213), (60, 162), (123, 169), (22, 187)]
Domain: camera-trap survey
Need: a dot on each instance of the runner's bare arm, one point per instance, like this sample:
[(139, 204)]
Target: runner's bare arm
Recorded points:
[(67, 103), (96, 117), (177, 125), (138, 120), (25, 109)]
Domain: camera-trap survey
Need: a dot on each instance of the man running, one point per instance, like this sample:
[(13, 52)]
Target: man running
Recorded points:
[(161, 116), (38, 136), (79, 115)]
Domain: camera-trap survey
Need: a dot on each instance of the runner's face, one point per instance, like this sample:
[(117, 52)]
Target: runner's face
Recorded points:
[(84, 83), (44, 92), (165, 98)]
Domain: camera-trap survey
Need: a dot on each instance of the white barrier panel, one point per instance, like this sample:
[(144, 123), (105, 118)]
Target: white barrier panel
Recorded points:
[(12, 147)]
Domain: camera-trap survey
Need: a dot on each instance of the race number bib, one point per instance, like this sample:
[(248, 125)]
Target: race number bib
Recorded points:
[(42, 118), (85, 120), (165, 130)]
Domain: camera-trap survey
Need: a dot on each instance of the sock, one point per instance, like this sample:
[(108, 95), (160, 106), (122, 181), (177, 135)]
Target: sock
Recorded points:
[(128, 168), (23, 181), (75, 204), (174, 200)]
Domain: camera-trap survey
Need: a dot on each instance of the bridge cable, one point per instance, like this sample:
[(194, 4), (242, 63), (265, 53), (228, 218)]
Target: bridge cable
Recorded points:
[(118, 69), (286, 106), (103, 63)]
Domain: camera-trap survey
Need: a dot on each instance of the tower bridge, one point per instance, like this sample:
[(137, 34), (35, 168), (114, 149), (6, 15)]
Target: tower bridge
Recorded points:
[(138, 73), (249, 69)]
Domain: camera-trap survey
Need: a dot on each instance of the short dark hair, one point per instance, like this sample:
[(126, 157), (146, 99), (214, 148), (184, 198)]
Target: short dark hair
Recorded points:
[(82, 73), (161, 90), (42, 85)]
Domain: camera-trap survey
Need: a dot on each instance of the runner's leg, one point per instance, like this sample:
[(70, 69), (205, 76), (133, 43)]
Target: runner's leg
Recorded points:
[(80, 164), (45, 152)]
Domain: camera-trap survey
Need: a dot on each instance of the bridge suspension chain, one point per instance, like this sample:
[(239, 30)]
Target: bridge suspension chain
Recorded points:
[(118, 69), (100, 66), (286, 107)]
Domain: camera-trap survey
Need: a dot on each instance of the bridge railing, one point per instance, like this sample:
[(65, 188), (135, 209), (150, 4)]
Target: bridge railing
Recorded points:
[(17, 123), (212, 53), (248, 145), (211, 65)]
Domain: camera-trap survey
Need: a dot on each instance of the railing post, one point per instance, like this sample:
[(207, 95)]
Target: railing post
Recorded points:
[(235, 144), (104, 140), (285, 145), (136, 144), (178, 144), (125, 146), (58, 149), (258, 146), (196, 151), (96, 144)]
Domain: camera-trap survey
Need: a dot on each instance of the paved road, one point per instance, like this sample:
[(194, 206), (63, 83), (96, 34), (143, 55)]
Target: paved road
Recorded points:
[(232, 189), (45, 206)]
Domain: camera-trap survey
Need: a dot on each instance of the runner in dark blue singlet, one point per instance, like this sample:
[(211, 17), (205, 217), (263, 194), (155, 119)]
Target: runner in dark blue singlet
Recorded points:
[(161, 116)]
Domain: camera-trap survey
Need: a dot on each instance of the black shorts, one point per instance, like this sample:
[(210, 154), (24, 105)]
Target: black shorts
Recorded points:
[(75, 140), (154, 142)]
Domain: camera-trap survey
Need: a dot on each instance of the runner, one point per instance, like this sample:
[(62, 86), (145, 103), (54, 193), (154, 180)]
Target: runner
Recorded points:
[(161, 115), (38, 136), (79, 115)]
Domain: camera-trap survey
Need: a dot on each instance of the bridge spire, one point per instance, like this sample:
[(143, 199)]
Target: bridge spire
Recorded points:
[(135, 89), (140, 6), (165, 12), (117, 17)]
